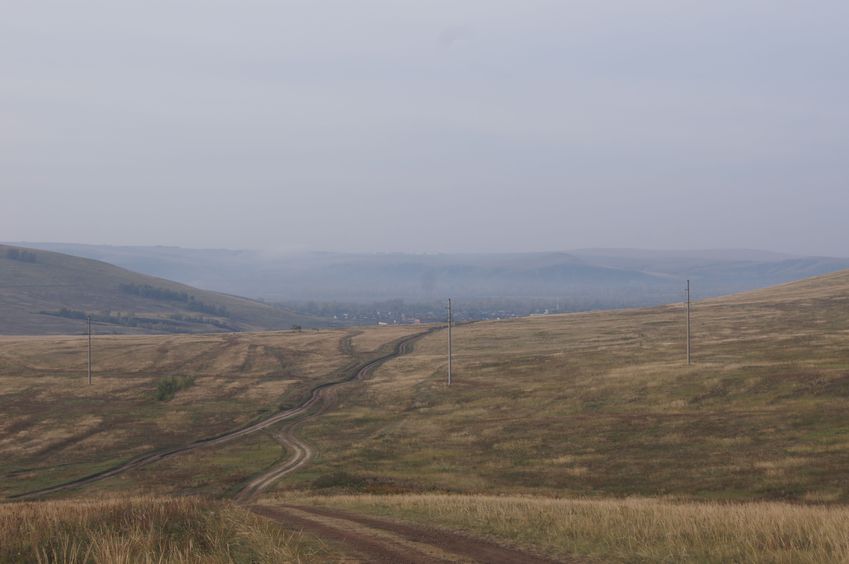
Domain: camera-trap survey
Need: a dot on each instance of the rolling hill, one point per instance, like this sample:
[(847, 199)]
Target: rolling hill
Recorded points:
[(582, 436), (44, 292), (576, 280), (604, 403)]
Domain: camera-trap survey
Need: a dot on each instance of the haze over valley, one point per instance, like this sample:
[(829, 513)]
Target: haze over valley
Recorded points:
[(384, 282), (347, 287)]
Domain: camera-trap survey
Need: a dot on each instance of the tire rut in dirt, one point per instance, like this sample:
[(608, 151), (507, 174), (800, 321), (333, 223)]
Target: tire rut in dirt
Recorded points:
[(143, 460), (479, 549), (371, 549)]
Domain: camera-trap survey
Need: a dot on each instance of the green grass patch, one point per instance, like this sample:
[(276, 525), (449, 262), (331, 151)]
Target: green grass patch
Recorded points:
[(168, 386)]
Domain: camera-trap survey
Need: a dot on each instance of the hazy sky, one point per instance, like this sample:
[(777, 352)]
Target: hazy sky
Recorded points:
[(452, 125)]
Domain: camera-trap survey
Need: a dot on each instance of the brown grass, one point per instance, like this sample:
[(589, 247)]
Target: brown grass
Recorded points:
[(51, 415), (373, 337), (603, 404), (146, 530), (630, 530)]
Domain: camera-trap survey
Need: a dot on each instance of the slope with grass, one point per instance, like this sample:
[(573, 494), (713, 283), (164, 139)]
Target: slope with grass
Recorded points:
[(159, 392), (603, 404), (572, 437), (43, 292)]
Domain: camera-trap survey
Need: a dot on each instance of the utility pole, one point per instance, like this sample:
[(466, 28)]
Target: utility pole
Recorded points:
[(450, 351), (89, 349), (689, 360)]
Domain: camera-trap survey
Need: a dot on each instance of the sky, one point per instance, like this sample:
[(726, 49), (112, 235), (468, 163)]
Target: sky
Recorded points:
[(426, 126)]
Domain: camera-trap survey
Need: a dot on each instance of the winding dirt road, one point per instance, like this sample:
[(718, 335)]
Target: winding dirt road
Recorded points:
[(370, 539), (400, 347), (365, 538), (325, 397)]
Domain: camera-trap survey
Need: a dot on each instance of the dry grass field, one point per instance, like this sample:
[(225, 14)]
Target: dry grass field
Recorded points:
[(147, 530), (574, 435), (56, 427), (626, 530), (603, 404)]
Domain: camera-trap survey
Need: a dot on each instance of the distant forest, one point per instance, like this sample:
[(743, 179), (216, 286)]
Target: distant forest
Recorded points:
[(174, 323), (193, 304)]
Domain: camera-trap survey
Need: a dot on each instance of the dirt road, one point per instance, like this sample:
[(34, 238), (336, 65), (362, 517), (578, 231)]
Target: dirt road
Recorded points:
[(400, 347), (301, 452), (369, 539), (377, 540)]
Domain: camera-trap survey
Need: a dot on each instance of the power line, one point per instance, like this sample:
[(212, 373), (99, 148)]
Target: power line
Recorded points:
[(89, 349), (450, 343), (689, 358)]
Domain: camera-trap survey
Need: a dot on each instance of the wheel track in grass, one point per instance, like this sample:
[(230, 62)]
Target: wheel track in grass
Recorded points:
[(371, 539), (400, 346), (367, 538), (323, 399)]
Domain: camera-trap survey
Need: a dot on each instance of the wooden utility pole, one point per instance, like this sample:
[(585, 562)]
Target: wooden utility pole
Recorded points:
[(689, 359), (89, 349), (450, 344)]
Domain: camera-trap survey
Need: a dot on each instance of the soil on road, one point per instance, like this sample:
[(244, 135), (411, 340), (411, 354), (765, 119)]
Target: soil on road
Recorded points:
[(379, 540)]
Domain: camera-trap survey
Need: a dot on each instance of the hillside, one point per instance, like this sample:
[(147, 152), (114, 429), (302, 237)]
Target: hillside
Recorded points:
[(44, 292), (157, 391), (604, 404), (577, 280), (585, 437)]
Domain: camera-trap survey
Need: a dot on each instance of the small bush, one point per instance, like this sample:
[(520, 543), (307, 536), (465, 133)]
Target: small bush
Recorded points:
[(168, 386)]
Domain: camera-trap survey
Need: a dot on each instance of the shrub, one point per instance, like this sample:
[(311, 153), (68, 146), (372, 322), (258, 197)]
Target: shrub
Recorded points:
[(168, 386)]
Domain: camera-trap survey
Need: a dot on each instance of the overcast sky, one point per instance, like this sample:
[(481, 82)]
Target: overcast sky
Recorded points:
[(452, 125)]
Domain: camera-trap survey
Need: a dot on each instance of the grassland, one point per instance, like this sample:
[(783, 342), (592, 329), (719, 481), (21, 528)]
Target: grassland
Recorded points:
[(589, 436), (56, 427), (603, 404), (44, 293), (583, 434), (147, 530), (626, 530)]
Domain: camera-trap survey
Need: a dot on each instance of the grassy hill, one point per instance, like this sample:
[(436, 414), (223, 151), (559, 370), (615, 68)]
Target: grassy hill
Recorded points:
[(44, 292), (604, 404), (578, 280), (588, 435), (158, 391), (580, 435)]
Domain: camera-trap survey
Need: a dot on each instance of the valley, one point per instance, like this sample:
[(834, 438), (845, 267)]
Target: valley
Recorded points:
[(591, 416)]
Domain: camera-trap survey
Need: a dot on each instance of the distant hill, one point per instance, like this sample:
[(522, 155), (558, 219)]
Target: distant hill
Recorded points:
[(45, 292), (717, 272), (579, 280)]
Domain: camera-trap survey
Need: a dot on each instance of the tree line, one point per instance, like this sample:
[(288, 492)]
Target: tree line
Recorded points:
[(174, 323), (192, 303)]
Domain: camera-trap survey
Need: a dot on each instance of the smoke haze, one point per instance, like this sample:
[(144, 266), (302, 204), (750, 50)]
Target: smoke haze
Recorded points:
[(426, 126)]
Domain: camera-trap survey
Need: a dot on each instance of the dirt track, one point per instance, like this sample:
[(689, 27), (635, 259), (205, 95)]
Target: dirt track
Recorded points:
[(380, 541), (371, 539), (285, 437), (322, 399)]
